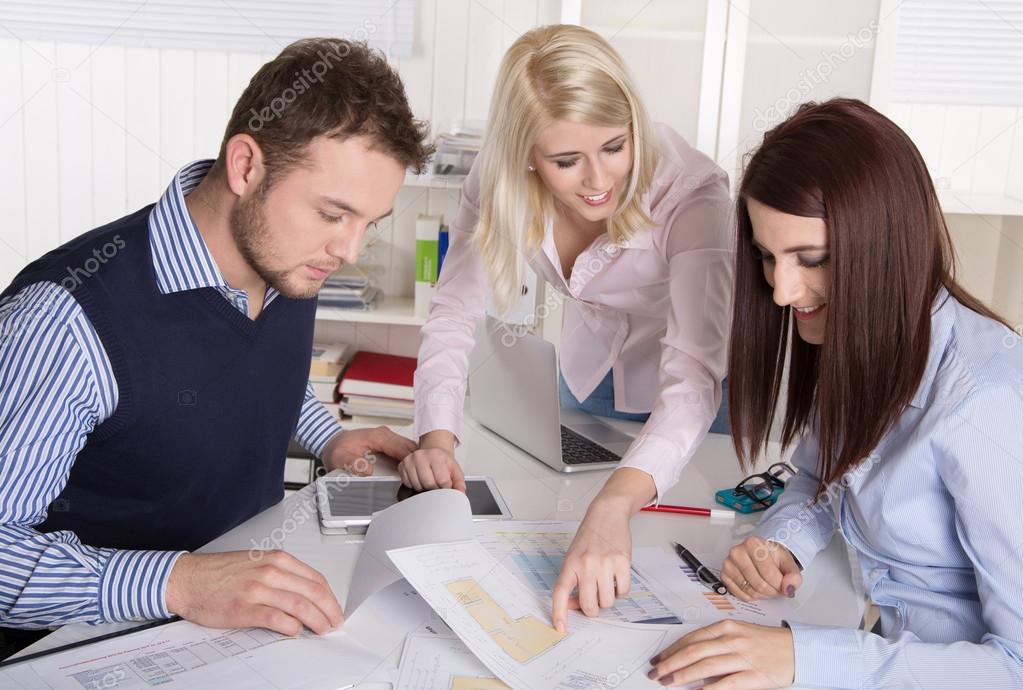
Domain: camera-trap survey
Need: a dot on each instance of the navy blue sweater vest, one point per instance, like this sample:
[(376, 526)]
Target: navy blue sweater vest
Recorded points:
[(207, 398)]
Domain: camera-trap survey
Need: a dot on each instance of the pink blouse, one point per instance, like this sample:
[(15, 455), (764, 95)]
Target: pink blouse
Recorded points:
[(654, 309)]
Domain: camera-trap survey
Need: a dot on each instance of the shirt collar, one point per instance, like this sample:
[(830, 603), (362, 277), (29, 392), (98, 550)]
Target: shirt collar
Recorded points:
[(942, 318), (181, 259)]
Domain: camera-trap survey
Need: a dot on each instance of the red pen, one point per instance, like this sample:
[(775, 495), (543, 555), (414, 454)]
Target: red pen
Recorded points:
[(688, 510)]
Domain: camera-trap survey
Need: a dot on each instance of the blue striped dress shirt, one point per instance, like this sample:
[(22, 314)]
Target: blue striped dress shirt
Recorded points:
[(934, 518), (58, 385)]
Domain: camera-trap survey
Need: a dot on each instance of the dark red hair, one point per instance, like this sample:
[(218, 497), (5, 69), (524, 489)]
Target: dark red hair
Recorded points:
[(890, 253)]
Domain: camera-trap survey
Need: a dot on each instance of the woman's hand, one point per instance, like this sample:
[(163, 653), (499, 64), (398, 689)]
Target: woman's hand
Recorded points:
[(433, 465), (760, 569), (738, 656), (599, 562)]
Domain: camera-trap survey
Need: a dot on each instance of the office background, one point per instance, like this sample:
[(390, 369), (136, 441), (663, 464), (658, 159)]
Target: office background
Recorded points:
[(98, 110)]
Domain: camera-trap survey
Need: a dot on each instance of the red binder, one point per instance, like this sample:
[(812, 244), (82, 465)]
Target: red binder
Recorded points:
[(383, 376)]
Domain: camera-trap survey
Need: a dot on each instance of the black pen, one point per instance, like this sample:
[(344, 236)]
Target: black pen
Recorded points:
[(705, 574), (91, 640)]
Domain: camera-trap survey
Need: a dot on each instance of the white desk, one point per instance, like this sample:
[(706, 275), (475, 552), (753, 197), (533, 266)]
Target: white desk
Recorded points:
[(830, 595)]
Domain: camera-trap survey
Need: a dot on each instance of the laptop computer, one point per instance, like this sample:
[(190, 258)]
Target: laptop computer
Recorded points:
[(513, 391)]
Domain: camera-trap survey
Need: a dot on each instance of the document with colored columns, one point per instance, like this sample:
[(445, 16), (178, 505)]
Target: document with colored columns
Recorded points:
[(507, 626)]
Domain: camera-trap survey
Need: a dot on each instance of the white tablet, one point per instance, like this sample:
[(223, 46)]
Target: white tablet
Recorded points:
[(349, 503)]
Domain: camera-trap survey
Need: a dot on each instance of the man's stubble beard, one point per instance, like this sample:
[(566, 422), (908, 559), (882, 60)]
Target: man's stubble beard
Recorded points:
[(251, 235)]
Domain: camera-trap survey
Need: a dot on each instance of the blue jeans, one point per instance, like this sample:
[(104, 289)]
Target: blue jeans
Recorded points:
[(601, 402)]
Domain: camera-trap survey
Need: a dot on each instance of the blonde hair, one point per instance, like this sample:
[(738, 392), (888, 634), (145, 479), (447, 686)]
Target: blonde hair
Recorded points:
[(557, 72)]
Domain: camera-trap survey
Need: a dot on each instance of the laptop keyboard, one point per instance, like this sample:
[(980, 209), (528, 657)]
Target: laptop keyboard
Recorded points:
[(579, 450)]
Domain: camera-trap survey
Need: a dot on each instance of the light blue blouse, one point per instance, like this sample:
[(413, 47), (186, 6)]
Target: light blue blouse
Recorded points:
[(934, 516)]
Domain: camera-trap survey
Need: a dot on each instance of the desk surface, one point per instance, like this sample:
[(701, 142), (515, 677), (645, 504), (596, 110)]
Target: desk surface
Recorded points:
[(830, 595)]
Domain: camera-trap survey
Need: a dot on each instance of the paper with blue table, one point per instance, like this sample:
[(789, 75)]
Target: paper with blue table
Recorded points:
[(426, 571), (493, 592)]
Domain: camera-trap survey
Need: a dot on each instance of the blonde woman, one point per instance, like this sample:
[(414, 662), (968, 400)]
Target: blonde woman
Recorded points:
[(629, 223)]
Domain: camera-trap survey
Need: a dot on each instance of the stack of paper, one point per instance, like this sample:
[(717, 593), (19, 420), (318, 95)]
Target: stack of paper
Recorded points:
[(464, 605), (348, 288), (187, 656), (457, 149)]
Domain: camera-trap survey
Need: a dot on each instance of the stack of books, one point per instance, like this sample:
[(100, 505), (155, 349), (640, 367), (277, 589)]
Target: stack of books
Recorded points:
[(377, 388), (327, 362), (348, 288)]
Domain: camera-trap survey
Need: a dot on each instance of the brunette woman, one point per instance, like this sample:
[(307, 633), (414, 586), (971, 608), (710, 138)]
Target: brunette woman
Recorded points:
[(906, 392)]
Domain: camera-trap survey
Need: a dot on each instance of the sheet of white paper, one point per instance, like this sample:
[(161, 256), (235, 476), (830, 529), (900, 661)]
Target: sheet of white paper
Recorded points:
[(675, 583), (185, 655), (442, 662), (535, 551), (383, 620), (443, 515), (507, 626)]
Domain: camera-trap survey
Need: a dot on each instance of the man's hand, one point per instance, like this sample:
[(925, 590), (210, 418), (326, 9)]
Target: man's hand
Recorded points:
[(355, 450), (240, 589)]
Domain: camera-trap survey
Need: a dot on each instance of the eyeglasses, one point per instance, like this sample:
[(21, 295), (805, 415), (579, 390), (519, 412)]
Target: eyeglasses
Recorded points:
[(763, 488)]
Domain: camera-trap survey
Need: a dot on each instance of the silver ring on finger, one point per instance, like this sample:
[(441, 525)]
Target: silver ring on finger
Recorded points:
[(745, 584)]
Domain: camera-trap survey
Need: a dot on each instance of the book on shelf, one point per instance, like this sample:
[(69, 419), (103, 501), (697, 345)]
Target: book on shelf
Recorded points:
[(442, 247), (325, 365), (374, 406), (427, 254), (325, 388), (378, 375), (327, 359), (371, 420)]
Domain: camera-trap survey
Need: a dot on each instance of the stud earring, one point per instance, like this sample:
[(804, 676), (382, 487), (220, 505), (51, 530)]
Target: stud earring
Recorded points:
[(530, 168)]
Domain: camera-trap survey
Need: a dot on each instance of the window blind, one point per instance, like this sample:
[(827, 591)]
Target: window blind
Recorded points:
[(959, 51), (256, 26)]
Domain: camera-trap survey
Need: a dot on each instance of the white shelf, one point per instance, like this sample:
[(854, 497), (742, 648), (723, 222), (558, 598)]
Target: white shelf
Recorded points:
[(393, 311), (428, 180), (965, 203)]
